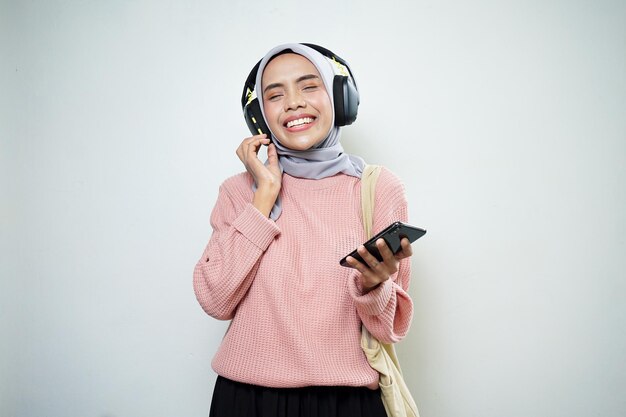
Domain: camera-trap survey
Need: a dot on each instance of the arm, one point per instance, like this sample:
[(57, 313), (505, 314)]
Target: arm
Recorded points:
[(380, 289), (241, 234), (266, 177)]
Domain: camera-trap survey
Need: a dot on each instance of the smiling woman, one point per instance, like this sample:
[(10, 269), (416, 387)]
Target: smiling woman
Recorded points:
[(293, 348)]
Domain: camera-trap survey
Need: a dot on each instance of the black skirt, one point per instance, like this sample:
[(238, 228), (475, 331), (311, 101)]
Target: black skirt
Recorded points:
[(235, 399)]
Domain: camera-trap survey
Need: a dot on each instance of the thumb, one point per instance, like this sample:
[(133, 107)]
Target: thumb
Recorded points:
[(272, 156)]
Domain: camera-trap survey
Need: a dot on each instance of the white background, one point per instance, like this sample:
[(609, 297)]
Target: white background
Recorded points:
[(506, 120)]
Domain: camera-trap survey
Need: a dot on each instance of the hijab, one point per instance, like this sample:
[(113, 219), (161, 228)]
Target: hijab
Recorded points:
[(327, 157)]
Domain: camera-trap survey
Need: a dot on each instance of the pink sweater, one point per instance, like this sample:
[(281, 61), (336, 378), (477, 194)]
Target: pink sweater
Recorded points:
[(296, 313)]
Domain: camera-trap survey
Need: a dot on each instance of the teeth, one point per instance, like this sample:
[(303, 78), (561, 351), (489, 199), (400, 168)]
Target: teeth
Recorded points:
[(298, 122)]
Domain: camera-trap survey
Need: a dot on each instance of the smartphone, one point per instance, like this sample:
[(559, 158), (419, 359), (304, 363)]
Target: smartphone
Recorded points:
[(392, 235)]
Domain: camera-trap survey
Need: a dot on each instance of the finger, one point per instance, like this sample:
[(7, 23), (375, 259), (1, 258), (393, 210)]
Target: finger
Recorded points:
[(369, 259), (243, 146), (258, 142), (251, 149), (272, 156), (255, 141), (246, 153), (256, 137), (240, 152), (407, 249), (368, 276), (385, 250), (352, 262)]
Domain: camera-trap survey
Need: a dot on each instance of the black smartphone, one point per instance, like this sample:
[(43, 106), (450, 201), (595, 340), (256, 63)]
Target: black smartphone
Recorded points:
[(392, 235)]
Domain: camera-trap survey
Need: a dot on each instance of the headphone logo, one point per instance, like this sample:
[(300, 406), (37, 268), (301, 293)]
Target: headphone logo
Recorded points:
[(340, 69), (251, 95)]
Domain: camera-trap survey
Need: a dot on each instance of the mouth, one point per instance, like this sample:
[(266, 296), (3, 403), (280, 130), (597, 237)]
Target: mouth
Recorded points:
[(301, 122)]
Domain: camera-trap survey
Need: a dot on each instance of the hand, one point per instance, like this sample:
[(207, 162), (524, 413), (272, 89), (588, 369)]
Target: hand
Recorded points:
[(267, 177), (373, 272)]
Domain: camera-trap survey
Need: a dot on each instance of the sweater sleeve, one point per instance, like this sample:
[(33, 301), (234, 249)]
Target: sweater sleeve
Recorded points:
[(241, 234), (387, 310)]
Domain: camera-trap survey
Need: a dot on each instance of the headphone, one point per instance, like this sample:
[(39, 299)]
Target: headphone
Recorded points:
[(345, 95)]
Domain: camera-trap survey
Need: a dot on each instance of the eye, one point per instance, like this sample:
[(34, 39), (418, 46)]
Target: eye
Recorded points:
[(310, 87), (274, 96)]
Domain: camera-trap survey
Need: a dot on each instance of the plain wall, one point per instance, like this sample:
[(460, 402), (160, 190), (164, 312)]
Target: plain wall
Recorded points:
[(506, 120)]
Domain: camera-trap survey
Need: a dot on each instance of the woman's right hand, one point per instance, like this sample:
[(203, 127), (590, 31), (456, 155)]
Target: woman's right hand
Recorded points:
[(267, 177)]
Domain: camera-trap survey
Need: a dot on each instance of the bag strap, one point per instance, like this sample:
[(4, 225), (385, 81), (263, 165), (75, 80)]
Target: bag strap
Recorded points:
[(369, 178)]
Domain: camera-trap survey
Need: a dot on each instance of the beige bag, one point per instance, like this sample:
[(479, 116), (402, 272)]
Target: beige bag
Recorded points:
[(382, 356)]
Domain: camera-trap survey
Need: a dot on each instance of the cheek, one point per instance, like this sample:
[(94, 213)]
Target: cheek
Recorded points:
[(271, 113), (326, 109)]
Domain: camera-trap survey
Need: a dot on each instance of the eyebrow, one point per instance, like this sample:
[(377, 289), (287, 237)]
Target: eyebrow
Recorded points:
[(299, 80)]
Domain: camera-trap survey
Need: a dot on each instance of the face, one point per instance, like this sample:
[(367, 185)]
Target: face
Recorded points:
[(296, 104)]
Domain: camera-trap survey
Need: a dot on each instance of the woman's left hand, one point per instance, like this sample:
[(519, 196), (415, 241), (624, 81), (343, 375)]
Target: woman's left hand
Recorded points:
[(374, 272)]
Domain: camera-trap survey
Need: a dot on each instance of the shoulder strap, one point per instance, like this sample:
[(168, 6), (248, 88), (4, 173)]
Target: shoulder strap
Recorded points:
[(369, 178)]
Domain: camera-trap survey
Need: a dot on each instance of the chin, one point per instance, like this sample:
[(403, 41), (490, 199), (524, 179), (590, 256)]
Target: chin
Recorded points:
[(300, 144)]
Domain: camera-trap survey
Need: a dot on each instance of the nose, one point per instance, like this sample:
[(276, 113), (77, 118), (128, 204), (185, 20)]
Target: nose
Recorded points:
[(294, 100)]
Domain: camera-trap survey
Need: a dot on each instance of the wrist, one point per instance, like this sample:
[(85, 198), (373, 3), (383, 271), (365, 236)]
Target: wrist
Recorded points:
[(264, 199), (366, 289)]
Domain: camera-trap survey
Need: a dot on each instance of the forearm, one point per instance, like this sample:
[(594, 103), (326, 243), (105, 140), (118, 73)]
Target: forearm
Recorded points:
[(387, 310), (264, 198), (228, 264)]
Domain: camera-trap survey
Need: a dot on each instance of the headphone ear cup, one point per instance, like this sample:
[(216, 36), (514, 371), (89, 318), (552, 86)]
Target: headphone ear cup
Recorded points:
[(346, 100), (254, 119), (351, 101)]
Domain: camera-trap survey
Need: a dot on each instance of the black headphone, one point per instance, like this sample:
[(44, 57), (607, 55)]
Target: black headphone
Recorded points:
[(345, 96)]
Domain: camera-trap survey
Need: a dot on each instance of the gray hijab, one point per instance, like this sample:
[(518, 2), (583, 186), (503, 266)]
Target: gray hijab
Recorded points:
[(326, 158)]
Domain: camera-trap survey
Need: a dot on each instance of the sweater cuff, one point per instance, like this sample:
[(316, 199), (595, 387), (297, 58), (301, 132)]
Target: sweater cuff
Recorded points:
[(255, 227), (374, 302)]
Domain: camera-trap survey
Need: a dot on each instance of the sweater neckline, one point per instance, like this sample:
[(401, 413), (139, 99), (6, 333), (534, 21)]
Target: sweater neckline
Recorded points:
[(316, 184)]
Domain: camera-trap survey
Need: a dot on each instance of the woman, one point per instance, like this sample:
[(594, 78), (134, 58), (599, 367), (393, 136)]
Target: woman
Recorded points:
[(272, 263)]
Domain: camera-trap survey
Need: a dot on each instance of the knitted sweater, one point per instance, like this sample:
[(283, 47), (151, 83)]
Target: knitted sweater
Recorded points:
[(296, 313)]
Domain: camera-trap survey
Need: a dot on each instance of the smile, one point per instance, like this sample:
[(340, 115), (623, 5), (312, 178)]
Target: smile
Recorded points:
[(300, 122)]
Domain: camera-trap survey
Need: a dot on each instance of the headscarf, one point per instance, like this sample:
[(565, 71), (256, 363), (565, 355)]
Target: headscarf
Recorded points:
[(327, 157)]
